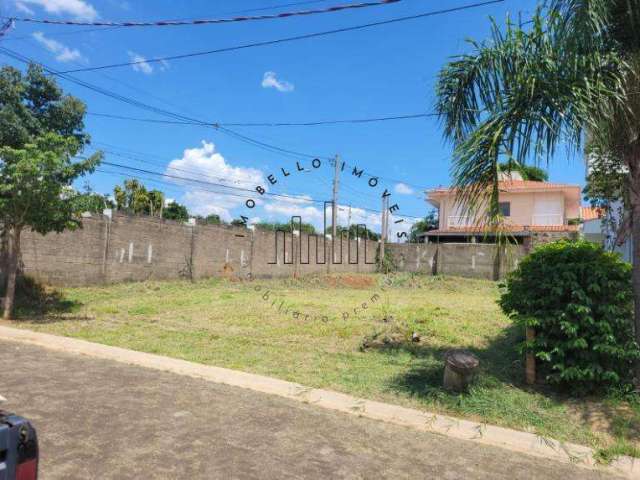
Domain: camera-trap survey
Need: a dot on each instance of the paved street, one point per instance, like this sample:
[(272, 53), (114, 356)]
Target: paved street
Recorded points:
[(106, 420)]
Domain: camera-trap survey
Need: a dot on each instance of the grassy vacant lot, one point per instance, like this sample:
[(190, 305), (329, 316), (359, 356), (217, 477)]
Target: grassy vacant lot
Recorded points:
[(299, 330)]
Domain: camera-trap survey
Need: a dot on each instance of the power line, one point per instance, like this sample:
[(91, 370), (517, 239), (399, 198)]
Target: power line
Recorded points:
[(305, 198), (108, 29), (287, 39), (117, 80), (175, 116), (410, 116), (210, 21), (157, 110), (205, 182)]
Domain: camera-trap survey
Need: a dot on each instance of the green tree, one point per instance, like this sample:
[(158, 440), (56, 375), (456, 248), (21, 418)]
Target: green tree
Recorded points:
[(572, 74), (32, 104), (90, 201), (355, 231), (41, 130), (36, 193), (212, 219), (156, 203), (429, 223), (175, 211), (133, 197), (286, 227), (528, 172), (578, 299)]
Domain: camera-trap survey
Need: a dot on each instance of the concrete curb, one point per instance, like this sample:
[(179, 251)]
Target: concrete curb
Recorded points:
[(513, 440)]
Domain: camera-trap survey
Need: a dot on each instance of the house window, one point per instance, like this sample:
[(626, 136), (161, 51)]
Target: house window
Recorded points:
[(505, 209)]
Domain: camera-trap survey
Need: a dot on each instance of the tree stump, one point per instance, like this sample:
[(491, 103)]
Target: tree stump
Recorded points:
[(459, 369)]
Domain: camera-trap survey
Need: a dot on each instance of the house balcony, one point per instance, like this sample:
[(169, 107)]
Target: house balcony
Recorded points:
[(458, 221), (541, 220), (548, 219)]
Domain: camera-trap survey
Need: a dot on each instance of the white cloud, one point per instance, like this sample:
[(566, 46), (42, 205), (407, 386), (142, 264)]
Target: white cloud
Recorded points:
[(78, 9), (270, 80), (142, 65), (61, 51), (283, 208), (209, 165), (404, 189)]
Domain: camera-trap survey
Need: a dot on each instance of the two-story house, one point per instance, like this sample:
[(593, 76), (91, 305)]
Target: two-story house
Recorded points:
[(529, 209)]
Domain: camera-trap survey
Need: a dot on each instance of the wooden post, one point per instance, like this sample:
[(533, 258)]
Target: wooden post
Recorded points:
[(530, 359)]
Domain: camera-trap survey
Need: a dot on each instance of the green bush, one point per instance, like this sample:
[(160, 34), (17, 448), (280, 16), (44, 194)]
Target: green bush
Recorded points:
[(578, 298)]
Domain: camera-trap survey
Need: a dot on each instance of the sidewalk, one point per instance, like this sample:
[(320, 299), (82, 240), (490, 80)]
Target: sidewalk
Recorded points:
[(104, 419)]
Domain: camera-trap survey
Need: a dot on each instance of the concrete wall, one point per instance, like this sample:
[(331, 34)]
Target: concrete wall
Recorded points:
[(476, 260), (139, 248)]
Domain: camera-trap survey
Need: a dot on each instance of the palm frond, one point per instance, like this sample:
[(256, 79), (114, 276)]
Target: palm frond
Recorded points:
[(520, 96)]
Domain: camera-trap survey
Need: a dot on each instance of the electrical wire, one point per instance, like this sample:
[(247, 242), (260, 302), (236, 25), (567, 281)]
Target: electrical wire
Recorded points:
[(178, 117), (410, 116), (159, 111), (286, 39), (208, 21), (304, 199)]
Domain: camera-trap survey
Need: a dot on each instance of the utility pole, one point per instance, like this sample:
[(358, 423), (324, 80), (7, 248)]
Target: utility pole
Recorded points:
[(383, 231), (334, 207)]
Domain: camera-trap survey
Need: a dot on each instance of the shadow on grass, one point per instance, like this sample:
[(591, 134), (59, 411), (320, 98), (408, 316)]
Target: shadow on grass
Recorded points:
[(501, 396), (42, 305), (499, 361)]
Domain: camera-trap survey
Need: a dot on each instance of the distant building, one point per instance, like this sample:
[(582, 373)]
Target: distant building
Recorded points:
[(532, 210), (603, 227)]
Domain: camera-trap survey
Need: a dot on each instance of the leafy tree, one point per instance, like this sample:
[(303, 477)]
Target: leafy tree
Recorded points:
[(175, 211), (286, 227), (572, 74), (355, 231), (36, 193), (213, 219), (90, 201), (33, 104), (155, 199), (578, 299), (41, 129), (429, 223), (528, 172), (133, 197)]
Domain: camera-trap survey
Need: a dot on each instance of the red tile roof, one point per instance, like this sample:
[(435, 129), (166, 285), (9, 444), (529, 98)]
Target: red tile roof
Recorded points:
[(519, 186), (508, 228), (590, 213)]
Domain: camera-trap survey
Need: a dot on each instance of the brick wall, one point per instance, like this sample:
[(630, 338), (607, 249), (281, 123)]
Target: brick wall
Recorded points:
[(128, 248)]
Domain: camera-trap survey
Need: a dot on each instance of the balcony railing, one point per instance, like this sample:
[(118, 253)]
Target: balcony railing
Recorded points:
[(547, 219), (458, 221), (540, 219)]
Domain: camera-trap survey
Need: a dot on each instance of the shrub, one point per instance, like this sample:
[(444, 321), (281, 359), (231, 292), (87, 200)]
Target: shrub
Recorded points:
[(578, 298)]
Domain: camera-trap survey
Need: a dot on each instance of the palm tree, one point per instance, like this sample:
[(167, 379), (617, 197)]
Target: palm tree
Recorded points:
[(568, 78)]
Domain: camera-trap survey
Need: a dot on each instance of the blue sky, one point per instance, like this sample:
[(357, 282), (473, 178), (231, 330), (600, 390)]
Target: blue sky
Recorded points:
[(387, 70)]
